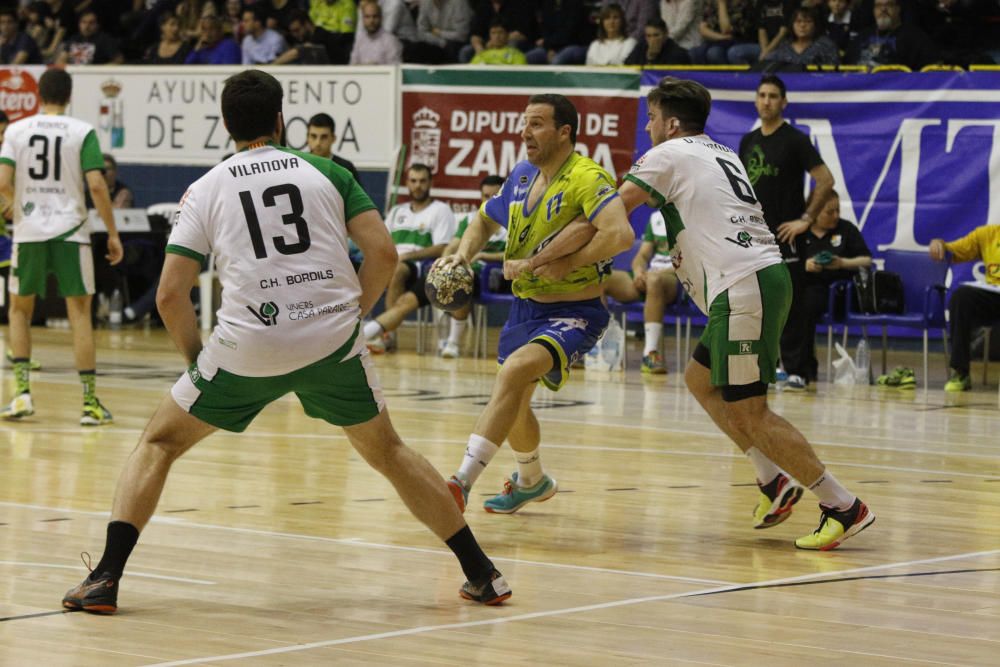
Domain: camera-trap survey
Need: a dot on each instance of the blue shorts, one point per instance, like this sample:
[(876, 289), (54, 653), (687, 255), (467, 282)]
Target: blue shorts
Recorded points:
[(568, 328)]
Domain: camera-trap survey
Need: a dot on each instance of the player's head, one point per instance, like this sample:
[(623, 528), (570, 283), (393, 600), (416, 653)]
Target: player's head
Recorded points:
[(550, 123), (251, 106), (489, 186), (321, 132), (770, 100), (418, 182), (677, 108), (55, 86), (829, 214)]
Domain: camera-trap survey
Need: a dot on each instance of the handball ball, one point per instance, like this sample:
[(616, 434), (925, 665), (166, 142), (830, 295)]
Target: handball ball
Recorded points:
[(449, 288)]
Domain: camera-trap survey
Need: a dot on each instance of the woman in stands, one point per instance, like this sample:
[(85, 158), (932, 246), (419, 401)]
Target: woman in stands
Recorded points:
[(805, 44), (171, 49), (612, 46)]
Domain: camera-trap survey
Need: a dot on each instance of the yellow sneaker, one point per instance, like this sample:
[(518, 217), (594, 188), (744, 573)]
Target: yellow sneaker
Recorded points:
[(836, 526), (958, 382), (95, 414), (776, 500), (20, 407)]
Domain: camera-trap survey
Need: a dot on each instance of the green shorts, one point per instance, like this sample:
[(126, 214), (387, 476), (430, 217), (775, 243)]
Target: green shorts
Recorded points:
[(744, 328), (71, 262), (343, 392)]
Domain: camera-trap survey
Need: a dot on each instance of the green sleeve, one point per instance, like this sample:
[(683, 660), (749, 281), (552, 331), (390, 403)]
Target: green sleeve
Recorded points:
[(90, 154), (460, 232)]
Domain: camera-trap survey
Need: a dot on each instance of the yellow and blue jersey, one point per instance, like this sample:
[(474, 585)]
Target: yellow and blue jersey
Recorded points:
[(580, 188)]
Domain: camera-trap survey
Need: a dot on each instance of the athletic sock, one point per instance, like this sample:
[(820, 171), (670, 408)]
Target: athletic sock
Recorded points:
[(22, 375), (831, 493), (474, 562), (89, 381), (121, 540), (372, 329), (654, 332), (765, 467), (478, 454), (529, 468), (455, 331)]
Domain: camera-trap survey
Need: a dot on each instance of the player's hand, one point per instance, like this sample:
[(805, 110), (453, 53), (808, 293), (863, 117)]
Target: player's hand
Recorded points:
[(451, 261), (513, 268), (812, 266), (640, 281), (937, 249), (787, 231), (835, 263), (557, 269), (115, 250)]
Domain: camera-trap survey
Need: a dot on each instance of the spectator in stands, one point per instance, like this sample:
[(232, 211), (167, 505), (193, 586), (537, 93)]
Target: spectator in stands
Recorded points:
[(397, 20), (321, 135), (305, 37), (212, 47), (682, 18), (833, 249), (90, 46), (121, 194), (190, 13), (261, 44), (730, 34), (972, 305), (892, 42), (637, 14), (232, 23), (442, 30), (170, 49), (41, 27), (612, 45), (374, 45), (498, 50), (959, 28), (772, 25), (653, 280), (517, 15), (565, 32), (16, 48), (421, 228), (804, 46), (838, 24), (656, 47), (340, 19), (278, 12), (64, 24)]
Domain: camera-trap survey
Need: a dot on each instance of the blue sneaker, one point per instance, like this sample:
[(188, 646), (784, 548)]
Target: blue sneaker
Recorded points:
[(459, 491), (514, 497)]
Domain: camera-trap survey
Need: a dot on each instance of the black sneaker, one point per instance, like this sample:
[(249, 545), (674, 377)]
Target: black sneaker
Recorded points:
[(98, 593), (490, 591)]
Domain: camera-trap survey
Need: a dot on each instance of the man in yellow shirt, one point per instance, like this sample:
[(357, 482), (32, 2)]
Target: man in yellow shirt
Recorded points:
[(971, 306)]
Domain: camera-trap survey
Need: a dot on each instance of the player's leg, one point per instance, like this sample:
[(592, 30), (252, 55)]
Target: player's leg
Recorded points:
[(620, 287), (405, 271), (661, 290), (451, 347), (29, 271)]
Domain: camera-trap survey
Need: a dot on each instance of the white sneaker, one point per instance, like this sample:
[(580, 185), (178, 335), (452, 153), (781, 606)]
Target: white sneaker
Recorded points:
[(449, 350), (21, 406), (796, 383)]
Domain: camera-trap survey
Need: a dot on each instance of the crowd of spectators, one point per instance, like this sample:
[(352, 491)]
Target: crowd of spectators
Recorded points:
[(764, 34)]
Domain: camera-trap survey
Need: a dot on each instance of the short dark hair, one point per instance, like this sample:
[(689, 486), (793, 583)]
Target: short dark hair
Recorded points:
[(259, 13), (420, 166), (490, 180), (251, 102), (563, 111), (688, 101), (773, 80), (108, 157), (323, 120), (89, 11), (55, 86), (657, 22)]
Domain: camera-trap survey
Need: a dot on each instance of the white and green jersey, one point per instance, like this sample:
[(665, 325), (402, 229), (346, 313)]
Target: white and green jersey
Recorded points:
[(274, 220), (433, 225), (50, 154), (656, 233), (719, 235)]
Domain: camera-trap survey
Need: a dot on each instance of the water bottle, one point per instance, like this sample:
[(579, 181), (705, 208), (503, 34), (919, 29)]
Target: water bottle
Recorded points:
[(780, 379), (115, 314), (863, 362)]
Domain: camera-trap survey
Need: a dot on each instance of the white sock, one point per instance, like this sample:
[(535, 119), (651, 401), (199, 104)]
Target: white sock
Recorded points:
[(372, 329), (831, 493), (529, 468), (129, 313), (478, 454), (765, 467), (456, 330), (654, 332)]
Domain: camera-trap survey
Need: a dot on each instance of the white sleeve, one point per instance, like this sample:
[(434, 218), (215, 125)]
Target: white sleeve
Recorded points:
[(189, 233), (654, 170), (444, 226)]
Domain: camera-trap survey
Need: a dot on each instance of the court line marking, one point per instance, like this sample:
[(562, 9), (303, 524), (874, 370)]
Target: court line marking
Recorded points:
[(355, 541), (145, 575), (558, 612)]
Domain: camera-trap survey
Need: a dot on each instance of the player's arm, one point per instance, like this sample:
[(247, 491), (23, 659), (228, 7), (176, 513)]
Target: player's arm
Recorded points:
[(787, 231), (632, 196), (614, 235), (173, 301), (373, 239), (430, 252), (6, 188), (102, 202), (477, 233), (640, 264)]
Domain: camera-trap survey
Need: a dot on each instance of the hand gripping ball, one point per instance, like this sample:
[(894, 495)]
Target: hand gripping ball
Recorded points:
[(449, 287)]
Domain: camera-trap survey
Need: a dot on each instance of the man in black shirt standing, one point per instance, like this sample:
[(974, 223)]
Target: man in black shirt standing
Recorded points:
[(777, 158), (321, 134)]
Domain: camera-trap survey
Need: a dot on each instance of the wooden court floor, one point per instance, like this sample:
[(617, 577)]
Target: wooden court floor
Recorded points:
[(280, 547)]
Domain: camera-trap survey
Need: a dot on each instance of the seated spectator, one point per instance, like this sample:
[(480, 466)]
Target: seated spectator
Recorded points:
[(972, 305), (121, 194), (397, 20), (682, 18), (517, 15), (637, 13), (960, 29), (64, 23), (232, 22), (804, 46), (657, 48), (40, 26), (373, 45), (838, 24), (892, 42), (261, 44), (170, 49), (420, 228), (278, 12), (89, 46), (212, 47), (652, 280), (833, 249), (772, 25), (565, 33), (16, 48), (451, 347), (612, 46), (321, 135), (498, 51), (190, 13), (310, 45), (728, 28), (339, 18), (442, 29)]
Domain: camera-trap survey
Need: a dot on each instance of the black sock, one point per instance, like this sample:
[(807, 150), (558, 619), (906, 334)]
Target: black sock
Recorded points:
[(475, 564), (121, 540)]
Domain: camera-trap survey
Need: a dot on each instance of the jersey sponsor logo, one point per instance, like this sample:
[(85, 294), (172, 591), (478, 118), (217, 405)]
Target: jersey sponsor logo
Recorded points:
[(746, 347), (267, 313), (743, 239), (28, 207), (194, 374), (568, 323)]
